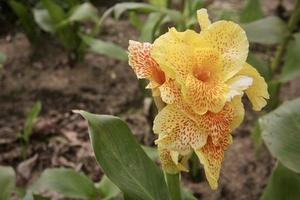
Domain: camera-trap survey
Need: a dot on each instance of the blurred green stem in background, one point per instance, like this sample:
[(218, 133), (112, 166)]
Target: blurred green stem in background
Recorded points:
[(293, 21)]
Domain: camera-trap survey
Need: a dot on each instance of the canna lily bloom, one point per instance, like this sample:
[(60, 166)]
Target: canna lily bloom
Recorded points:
[(201, 77)]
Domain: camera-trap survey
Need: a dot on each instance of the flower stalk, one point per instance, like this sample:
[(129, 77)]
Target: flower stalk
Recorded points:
[(293, 21), (173, 182)]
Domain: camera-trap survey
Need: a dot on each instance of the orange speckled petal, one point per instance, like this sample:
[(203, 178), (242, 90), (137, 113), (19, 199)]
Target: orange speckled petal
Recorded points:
[(173, 51), (217, 125), (142, 63), (258, 91), (177, 132), (204, 96), (203, 19), (168, 164), (231, 42), (211, 156), (170, 91)]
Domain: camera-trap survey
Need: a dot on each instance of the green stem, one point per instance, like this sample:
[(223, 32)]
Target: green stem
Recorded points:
[(173, 182), (293, 21)]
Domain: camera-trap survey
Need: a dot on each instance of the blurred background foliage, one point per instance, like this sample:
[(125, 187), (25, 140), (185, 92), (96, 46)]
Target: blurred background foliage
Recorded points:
[(77, 27)]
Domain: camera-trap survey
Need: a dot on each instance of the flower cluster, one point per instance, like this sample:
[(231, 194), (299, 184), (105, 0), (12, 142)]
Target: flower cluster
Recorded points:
[(201, 77)]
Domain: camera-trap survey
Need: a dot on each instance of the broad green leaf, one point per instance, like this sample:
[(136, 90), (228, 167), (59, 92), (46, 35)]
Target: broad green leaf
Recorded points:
[(261, 66), (67, 182), (43, 19), (150, 26), (25, 17), (7, 182), (30, 196), (105, 48), (30, 121), (291, 68), (83, 12), (151, 152), (251, 12), (284, 184), (281, 133), (159, 3), (269, 30), (3, 59), (108, 189), (123, 160)]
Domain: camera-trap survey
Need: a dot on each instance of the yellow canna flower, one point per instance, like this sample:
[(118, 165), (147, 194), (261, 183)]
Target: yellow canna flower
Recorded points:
[(201, 77)]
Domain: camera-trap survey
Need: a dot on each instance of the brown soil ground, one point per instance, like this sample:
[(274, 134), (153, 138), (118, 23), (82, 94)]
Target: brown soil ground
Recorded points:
[(106, 86)]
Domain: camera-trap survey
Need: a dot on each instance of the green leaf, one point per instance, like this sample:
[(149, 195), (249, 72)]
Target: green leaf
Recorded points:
[(281, 133), (256, 137), (120, 8), (284, 184), (151, 152), (274, 91), (251, 12), (56, 13), (108, 189), (150, 26), (187, 195), (25, 17), (123, 160), (159, 3), (7, 182), (269, 30), (135, 20), (30, 196), (43, 19), (83, 12), (3, 59), (105, 48), (291, 68), (261, 66), (30, 121), (67, 182)]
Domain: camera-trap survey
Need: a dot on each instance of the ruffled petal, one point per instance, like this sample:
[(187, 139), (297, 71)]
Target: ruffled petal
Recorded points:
[(168, 163), (258, 91), (211, 156), (204, 96), (203, 19), (173, 51), (217, 125), (142, 63), (231, 42), (177, 132), (237, 85)]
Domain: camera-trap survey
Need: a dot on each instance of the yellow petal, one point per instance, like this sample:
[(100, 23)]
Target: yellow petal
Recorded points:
[(170, 91), (230, 40), (173, 51), (168, 164), (217, 125), (141, 62), (203, 19), (237, 85), (204, 96), (258, 91), (177, 132), (211, 156), (238, 112)]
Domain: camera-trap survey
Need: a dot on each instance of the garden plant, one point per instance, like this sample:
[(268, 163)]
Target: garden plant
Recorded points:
[(206, 71)]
